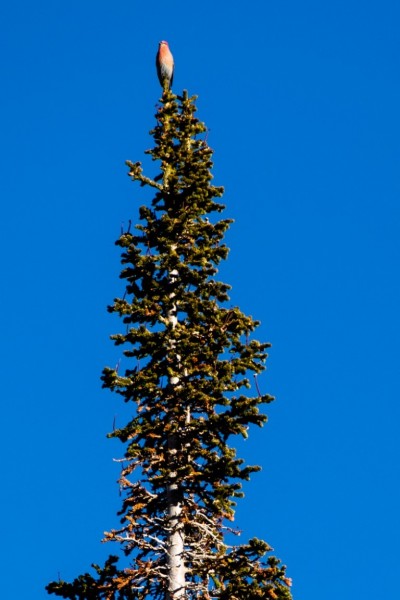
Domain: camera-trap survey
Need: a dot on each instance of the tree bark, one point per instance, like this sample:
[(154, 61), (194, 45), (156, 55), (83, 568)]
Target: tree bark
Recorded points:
[(176, 562)]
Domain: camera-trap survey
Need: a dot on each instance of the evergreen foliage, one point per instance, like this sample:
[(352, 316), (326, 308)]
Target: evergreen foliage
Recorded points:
[(191, 356)]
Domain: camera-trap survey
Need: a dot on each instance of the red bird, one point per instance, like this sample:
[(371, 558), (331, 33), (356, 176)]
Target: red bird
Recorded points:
[(165, 65)]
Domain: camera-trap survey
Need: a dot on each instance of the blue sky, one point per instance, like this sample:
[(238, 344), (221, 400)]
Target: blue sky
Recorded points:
[(302, 102)]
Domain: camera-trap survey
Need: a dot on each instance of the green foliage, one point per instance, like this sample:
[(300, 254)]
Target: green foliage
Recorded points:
[(191, 356)]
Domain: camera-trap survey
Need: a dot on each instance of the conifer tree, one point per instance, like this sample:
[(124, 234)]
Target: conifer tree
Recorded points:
[(190, 357)]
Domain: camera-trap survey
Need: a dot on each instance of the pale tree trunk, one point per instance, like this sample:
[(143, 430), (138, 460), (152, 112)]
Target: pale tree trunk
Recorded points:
[(176, 539), (176, 563)]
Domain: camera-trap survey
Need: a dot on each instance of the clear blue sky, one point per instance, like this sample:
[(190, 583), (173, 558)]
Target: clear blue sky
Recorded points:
[(302, 101)]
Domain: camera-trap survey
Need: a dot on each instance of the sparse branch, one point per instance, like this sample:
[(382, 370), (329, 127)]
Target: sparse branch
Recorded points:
[(136, 174)]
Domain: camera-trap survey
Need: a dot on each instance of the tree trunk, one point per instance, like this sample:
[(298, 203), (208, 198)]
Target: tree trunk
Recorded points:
[(176, 563)]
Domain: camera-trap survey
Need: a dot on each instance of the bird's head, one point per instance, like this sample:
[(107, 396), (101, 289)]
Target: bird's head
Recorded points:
[(163, 43)]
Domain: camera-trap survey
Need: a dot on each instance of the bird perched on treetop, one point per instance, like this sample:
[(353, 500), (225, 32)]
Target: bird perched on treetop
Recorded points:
[(165, 65)]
